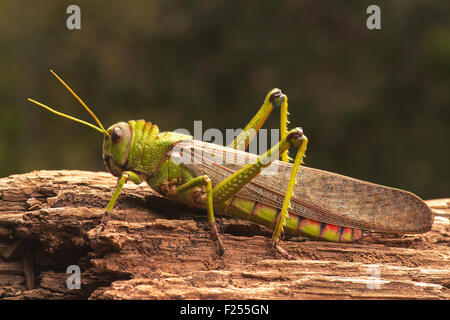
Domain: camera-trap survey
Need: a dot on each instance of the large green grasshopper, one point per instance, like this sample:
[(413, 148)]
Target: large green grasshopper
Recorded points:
[(293, 199)]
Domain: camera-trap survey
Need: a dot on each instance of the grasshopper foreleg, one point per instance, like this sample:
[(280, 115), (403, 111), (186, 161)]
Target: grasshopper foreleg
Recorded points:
[(127, 175), (205, 181)]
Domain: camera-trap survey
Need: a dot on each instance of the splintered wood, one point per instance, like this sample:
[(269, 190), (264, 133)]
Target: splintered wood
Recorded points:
[(156, 249)]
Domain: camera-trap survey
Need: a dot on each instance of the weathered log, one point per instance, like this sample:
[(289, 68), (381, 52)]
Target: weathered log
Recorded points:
[(156, 249)]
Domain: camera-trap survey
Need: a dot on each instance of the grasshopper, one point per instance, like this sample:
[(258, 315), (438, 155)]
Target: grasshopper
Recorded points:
[(296, 199)]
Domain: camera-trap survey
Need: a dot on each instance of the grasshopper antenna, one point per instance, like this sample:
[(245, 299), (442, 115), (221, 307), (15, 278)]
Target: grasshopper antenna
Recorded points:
[(67, 116), (101, 129), (79, 99)]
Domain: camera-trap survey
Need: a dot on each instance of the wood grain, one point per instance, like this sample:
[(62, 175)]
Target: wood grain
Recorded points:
[(156, 249)]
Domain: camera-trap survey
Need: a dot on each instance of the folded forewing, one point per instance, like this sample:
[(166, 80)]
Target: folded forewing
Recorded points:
[(318, 194)]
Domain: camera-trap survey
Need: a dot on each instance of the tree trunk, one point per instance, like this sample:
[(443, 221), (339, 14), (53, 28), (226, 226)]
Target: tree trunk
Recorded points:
[(154, 248)]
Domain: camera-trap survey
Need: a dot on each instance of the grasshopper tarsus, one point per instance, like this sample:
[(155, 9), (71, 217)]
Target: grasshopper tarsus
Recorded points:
[(281, 251), (99, 228), (220, 249), (102, 225), (216, 237)]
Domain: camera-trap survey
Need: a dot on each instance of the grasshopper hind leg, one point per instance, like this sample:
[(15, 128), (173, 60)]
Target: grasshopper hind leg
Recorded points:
[(296, 139), (275, 99)]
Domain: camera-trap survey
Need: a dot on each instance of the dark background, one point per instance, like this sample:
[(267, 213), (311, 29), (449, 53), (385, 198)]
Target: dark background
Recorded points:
[(373, 103)]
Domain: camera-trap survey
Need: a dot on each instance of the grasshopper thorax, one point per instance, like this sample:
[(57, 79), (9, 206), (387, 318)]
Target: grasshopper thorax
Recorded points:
[(116, 147)]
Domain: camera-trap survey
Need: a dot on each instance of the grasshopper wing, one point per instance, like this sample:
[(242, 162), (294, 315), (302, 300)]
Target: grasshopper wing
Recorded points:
[(318, 195)]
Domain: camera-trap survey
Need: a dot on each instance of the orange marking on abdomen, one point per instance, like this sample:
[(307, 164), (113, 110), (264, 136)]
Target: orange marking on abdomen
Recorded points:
[(326, 231)]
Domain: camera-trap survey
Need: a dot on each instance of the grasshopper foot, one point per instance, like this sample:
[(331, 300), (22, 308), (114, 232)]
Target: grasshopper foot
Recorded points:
[(216, 237), (102, 224), (281, 251), (99, 228)]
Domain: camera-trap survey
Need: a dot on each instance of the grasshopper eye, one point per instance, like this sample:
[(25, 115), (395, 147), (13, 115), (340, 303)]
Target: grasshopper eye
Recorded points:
[(116, 135)]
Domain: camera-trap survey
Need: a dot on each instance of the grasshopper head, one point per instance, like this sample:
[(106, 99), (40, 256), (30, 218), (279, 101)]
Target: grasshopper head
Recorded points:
[(117, 138), (116, 147)]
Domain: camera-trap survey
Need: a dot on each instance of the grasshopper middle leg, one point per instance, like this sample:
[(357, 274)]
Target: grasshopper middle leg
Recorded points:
[(205, 181)]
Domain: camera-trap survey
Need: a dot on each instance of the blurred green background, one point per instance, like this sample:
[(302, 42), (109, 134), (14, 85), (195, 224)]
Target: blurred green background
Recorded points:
[(375, 104)]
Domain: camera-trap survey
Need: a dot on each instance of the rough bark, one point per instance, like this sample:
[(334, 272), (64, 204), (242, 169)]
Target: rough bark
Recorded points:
[(156, 249)]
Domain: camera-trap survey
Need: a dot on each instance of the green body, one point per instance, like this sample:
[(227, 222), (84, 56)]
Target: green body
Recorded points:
[(324, 206), (296, 199), (147, 152)]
